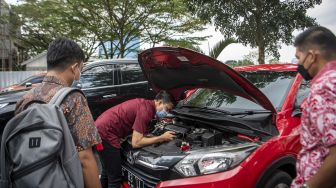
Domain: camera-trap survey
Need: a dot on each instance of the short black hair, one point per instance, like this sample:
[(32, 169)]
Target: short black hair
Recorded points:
[(165, 97), (63, 52), (319, 37)]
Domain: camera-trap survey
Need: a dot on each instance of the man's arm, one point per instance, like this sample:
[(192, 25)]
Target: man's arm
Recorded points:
[(139, 140), (90, 170), (325, 176), (323, 116)]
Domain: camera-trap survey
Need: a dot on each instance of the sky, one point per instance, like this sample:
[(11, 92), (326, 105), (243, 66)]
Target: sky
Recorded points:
[(325, 15)]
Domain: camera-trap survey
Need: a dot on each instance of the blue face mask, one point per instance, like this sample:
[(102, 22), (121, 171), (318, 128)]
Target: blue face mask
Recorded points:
[(161, 114)]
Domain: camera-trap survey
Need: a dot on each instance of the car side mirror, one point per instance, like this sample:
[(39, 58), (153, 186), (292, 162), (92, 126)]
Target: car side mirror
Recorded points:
[(28, 84), (77, 84)]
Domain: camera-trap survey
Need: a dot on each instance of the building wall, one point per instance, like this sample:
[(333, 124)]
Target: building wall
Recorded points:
[(8, 78), (134, 46), (10, 51), (37, 63)]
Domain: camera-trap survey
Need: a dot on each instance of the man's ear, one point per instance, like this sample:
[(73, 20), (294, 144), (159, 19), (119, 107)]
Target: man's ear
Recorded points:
[(73, 67)]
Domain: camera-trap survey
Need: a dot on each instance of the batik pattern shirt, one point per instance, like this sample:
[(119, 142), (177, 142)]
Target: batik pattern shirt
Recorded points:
[(74, 106), (318, 124)]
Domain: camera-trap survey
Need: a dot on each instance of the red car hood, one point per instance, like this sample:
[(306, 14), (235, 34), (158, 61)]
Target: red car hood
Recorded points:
[(177, 70)]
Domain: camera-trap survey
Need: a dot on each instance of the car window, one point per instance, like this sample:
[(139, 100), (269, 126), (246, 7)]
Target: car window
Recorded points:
[(103, 75), (32, 80), (131, 73), (303, 92), (274, 85)]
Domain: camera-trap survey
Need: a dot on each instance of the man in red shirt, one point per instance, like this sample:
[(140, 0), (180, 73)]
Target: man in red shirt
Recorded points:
[(129, 118), (316, 164)]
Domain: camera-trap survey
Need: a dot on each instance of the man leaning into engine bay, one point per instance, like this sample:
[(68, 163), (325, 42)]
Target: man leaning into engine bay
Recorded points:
[(129, 118)]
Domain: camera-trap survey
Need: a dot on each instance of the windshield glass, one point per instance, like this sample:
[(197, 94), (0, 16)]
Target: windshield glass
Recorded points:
[(274, 84)]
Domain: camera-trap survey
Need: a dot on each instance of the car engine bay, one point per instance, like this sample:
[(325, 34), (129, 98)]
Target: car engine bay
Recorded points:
[(192, 136)]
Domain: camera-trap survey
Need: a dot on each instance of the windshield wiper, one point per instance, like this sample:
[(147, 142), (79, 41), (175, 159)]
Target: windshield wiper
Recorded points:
[(206, 109), (250, 112)]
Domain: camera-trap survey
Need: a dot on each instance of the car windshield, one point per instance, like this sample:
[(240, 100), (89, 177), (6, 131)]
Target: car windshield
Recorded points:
[(274, 84)]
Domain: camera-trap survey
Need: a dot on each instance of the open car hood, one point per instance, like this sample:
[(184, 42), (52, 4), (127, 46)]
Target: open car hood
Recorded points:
[(177, 70)]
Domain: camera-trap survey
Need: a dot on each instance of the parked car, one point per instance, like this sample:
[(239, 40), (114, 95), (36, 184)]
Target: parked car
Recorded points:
[(105, 83), (30, 82), (238, 129)]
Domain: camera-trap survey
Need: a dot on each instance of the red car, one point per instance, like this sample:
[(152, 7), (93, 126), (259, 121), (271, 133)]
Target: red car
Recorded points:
[(239, 129)]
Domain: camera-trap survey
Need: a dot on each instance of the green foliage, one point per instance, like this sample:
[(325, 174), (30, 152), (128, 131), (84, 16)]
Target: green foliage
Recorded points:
[(243, 62), (43, 21), (260, 23), (219, 47), (92, 22)]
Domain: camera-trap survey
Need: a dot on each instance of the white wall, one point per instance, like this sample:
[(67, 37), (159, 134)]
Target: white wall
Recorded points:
[(8, 78)]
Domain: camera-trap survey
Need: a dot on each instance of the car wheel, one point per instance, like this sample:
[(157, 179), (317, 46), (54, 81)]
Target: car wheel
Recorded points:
[(279, 179)]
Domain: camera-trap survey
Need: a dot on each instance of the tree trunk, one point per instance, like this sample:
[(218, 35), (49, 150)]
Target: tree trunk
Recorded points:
[(111, 48), (261, 54), (259, 32), (105, 51)]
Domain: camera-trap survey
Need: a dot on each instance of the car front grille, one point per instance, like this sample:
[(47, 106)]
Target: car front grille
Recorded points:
[(149, 180)]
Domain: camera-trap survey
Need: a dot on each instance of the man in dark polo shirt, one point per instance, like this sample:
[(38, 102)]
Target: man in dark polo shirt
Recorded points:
[(64, 63), (129, 118)]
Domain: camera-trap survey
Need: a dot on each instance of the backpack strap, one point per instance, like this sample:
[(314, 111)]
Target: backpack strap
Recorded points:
[(4, 176), (32, 102), (61, 94)]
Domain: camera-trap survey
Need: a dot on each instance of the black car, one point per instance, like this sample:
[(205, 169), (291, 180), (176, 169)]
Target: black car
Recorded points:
[(105, 83)]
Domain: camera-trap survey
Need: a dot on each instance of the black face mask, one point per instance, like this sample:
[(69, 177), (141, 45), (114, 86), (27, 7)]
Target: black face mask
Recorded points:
[(304, 73)]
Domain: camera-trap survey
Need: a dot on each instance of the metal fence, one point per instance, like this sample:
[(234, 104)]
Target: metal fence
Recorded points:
[(8, 78)]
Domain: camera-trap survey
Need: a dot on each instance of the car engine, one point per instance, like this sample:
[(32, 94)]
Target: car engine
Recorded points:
[(187, 137)]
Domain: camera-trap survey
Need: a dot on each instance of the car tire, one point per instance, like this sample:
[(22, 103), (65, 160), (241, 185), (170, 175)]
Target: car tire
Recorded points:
[(279, 179)]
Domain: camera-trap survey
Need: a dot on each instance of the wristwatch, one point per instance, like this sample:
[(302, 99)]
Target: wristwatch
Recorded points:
[(304, 185)]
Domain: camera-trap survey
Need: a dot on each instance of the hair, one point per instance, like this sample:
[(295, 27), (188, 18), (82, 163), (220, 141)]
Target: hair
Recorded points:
[(62, 53), (165, 97), (317, 37)]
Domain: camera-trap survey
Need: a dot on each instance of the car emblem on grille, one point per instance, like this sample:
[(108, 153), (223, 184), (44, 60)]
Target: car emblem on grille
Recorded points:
[(130, 158)]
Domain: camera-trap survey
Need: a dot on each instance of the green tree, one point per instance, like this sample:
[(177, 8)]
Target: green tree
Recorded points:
[(217, 49), (43, 21), (153, 22), (259, 23), (94, 22), (214, 52)]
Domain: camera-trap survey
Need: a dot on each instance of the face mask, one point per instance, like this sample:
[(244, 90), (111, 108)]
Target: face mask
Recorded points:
[(161, 114), (304, 72)]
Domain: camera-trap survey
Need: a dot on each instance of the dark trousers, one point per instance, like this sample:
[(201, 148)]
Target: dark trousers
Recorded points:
[(111, 163)]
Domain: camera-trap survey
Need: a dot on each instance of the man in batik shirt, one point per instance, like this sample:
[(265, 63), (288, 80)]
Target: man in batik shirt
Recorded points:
[(65, 62), (316, 164)]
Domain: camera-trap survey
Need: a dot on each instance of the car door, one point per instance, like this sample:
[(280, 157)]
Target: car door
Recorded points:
[(99, 83), (133, 82)]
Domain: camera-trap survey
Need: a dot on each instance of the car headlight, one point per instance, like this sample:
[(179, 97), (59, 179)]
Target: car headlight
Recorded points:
[(212, 161), (3, 105)]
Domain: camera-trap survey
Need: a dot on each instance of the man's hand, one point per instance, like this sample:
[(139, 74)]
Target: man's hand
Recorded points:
[(139, 140), (167, 136)]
